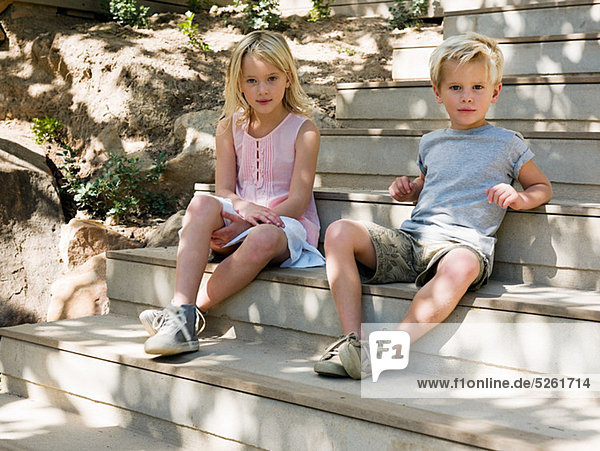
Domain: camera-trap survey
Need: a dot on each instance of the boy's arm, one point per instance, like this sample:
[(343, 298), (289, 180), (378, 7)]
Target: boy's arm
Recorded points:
[(403, 190), (537, 190)]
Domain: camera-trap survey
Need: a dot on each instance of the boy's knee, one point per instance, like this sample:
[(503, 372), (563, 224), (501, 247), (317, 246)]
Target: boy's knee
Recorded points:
[(461, 265), (264, 242), (339, 232)]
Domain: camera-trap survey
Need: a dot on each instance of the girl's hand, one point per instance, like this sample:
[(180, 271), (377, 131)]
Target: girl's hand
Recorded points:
[(257, 214), (224, 235), (504, 195), (402, 189)]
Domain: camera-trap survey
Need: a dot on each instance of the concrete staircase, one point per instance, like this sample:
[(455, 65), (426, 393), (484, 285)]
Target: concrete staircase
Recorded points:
[(251, 385)]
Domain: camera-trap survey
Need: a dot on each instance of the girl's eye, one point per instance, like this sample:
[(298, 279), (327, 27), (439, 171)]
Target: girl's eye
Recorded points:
[(273, 78), (250, 80)]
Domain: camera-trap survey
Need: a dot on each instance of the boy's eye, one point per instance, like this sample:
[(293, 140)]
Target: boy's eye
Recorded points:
[(478, 87), (454, 88)]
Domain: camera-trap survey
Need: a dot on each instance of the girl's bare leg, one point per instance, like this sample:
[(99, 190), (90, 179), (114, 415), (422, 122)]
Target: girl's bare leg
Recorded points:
[(264, 244), (202, 217), (345, 243)]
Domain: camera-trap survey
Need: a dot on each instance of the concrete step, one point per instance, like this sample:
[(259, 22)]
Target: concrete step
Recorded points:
[(575, 53), (261, 393), (299, 300), (528, 19), (28, 424), (556, 244), (363, 159), (553, 103), (472, 5)]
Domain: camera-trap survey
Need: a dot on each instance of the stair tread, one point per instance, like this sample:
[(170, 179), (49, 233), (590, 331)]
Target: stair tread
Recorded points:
[(27, 424), (268, 370), (496, 295)]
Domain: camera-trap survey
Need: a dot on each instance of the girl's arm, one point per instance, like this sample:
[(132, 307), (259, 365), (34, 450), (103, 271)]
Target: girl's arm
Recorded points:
[(537, 190), (225, 180), (403, 190), (303, 175)]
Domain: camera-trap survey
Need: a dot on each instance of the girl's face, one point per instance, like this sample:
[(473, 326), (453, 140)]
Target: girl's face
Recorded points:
[(263, 85), (466, 93)]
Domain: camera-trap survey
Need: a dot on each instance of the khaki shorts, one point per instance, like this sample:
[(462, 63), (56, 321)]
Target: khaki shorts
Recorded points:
[(402, 258)]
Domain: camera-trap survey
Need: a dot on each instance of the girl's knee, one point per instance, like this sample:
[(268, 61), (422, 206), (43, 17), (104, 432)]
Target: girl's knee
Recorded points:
[(202, 205), (264, 242)]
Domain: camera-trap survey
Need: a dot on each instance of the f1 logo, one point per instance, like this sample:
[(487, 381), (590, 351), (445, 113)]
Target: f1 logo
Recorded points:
[(389, 351)]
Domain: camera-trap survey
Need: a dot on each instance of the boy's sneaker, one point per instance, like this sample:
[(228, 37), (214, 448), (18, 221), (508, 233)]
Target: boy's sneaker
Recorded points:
[(177, 332), (355, 358), (330, 364), (152, 320)]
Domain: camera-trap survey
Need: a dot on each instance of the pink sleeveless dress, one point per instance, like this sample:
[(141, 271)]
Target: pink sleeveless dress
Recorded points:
[(265, 166)]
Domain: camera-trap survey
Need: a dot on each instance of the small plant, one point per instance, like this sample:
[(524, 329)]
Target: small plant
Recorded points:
[(320, 10), (408, 13), (126, 12), (46, 130), (120, 190), (260, 15), (190, 29)]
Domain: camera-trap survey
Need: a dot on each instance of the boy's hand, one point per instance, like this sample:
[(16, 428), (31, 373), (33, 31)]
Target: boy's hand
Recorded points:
[(504, 195), (224, 235), (402, 189)]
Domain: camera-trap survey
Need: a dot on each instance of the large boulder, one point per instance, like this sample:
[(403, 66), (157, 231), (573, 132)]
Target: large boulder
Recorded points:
[(195, 135), (30, 218)]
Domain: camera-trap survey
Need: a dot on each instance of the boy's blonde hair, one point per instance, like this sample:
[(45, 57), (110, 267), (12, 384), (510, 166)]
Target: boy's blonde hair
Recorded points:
[(463, 49), (272, 48)]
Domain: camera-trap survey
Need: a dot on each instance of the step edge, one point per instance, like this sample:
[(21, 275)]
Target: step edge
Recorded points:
[(376, 411), (494, 296), (530, 6)]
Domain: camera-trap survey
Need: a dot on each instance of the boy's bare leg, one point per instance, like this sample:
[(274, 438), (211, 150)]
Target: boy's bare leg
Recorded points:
[(202, 217), (345, 243), (264, 244), (434, 302)]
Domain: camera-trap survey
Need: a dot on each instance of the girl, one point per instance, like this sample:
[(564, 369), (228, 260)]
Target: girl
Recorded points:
[(264, 211)]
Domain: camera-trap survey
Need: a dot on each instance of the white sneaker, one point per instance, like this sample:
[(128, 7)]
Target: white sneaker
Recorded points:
[(177, 332), (152, 320)]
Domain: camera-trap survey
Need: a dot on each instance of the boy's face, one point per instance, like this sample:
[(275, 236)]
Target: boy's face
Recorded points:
[(466, 93)]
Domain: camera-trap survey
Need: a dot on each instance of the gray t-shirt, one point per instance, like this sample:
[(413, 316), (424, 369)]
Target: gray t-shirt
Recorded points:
[(459, 165)]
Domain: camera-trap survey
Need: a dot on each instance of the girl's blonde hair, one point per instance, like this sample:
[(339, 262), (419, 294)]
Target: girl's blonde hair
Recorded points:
[(272, 48), (466, 48)]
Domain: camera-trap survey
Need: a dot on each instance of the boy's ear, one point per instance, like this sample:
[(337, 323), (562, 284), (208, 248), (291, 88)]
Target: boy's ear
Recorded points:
[(437, 95), (496, 92)]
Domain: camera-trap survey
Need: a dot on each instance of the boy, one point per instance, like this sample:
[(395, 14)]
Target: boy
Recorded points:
[(461, 195)]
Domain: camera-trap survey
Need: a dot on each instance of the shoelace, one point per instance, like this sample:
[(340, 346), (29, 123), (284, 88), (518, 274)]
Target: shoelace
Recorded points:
[(174, 319), (159, 320), (333, 348)]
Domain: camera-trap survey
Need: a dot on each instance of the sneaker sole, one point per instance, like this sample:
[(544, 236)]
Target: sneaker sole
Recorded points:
[(332, 369), (350, 359), (189, 346)]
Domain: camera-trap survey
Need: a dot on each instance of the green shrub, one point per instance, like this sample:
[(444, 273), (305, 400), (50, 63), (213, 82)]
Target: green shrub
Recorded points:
[(46, 130), (320, 10), (121, 189), (126, 12), (190, 29), (260, 15), (408, 13)]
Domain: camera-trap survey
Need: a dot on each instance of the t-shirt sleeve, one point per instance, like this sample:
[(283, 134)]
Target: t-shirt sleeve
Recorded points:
[(521, 154), (420, 161)]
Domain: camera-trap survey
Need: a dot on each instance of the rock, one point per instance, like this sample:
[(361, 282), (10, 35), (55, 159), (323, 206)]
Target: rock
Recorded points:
[(166, 234), (80, 293), (195, 133), (31, 216), (82, 239)]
